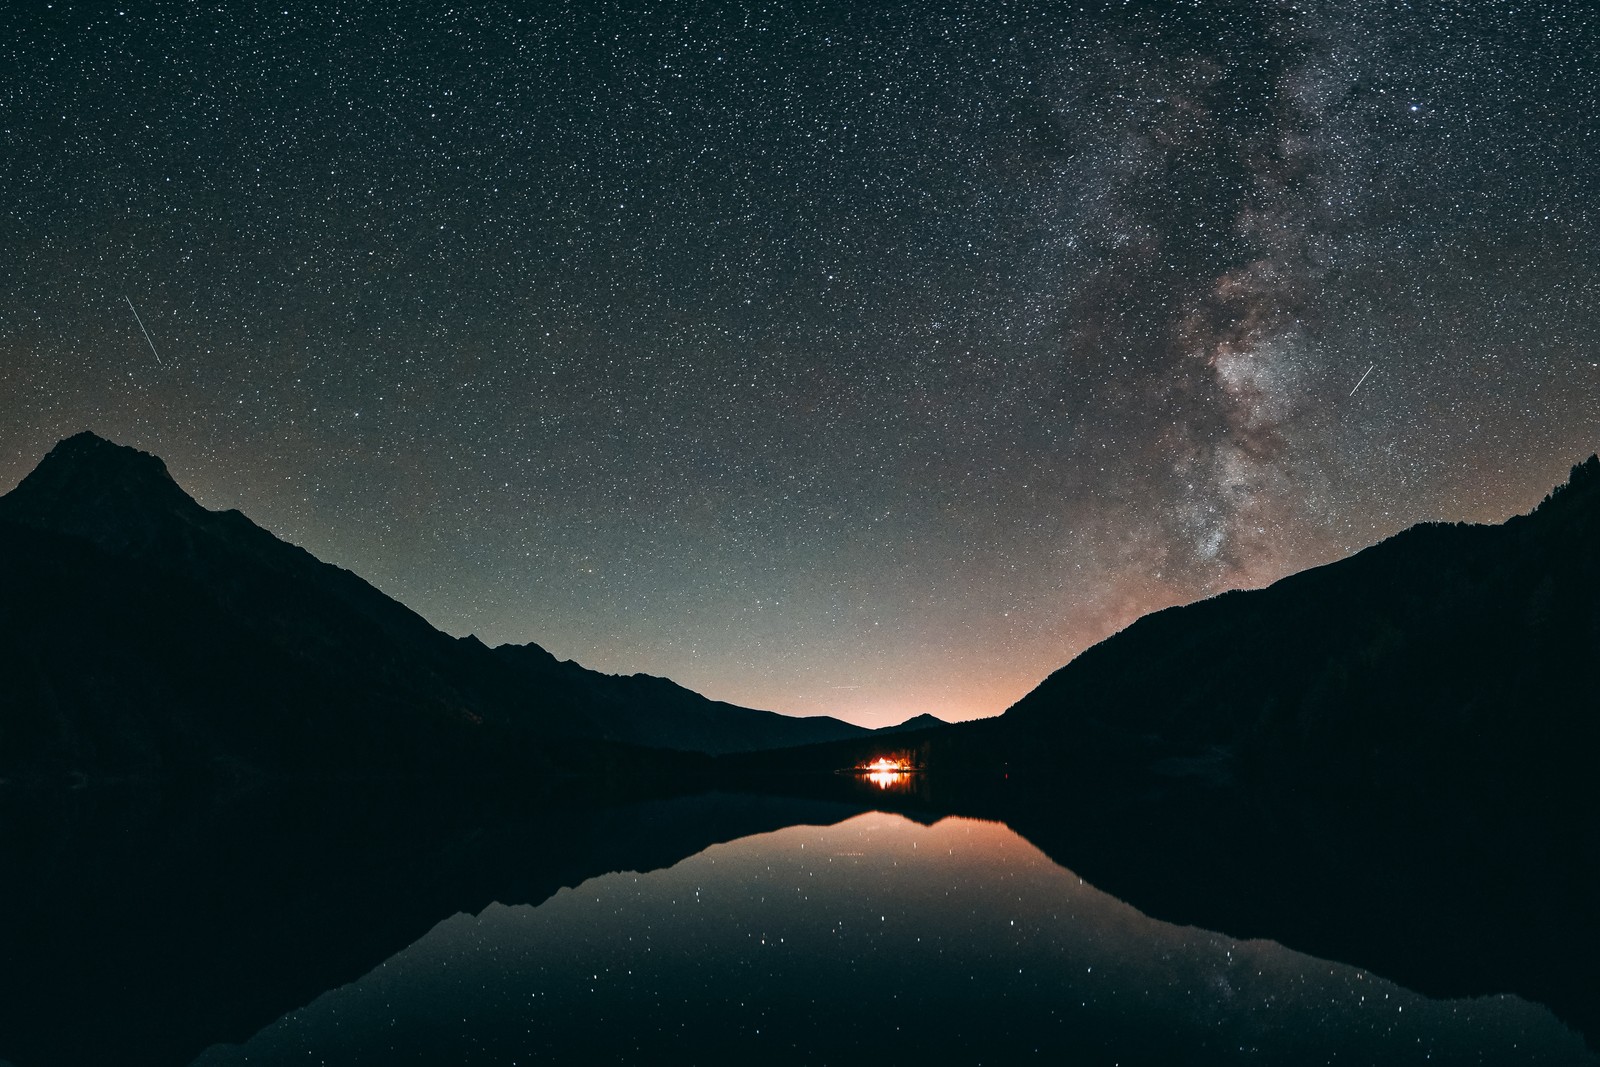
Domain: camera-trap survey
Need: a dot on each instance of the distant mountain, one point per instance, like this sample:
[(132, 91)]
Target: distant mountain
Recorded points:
[(144, 636), (916, 722)]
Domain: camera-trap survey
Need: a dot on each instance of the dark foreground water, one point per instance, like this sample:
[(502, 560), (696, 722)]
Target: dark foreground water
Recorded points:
[(877, 939)]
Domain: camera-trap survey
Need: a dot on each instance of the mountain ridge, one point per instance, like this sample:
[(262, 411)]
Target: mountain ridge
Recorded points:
[(1441, 612), (147, 634)]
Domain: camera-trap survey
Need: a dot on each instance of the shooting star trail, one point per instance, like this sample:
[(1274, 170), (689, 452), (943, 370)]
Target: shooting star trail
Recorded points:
[(1361, 379), (144, 331)]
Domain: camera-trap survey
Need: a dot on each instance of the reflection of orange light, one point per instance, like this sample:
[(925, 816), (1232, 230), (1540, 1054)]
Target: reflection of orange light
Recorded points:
[(888, 779)]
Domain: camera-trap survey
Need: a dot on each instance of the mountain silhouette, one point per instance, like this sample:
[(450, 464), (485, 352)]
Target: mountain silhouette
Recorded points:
[(916, 722), (1447, 663), (147, 637)]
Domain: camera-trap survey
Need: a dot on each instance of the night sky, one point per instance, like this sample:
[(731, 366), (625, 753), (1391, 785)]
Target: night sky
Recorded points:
[(870, 359)]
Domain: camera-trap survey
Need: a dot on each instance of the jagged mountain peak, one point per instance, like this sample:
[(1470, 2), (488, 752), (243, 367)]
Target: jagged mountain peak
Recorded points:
[(91, 487), (88, 454)]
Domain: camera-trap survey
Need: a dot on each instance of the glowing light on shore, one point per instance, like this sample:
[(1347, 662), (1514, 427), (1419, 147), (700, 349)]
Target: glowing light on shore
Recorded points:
[(887, 773)]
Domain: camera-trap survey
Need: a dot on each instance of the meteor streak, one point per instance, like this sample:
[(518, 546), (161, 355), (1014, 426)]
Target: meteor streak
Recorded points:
[(1361, 379), (144, 331)]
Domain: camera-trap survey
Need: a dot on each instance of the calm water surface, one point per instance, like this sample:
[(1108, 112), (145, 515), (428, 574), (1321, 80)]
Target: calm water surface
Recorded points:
[(875, 940)]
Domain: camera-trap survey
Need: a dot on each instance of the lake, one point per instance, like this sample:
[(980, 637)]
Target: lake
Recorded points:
[(875, 938)]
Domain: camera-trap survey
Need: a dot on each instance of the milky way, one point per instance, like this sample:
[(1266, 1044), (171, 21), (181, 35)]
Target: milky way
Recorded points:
[(867, 361)]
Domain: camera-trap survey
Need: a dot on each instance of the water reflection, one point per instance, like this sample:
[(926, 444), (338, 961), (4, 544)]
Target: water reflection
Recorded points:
[(890, 779), (957, 942)]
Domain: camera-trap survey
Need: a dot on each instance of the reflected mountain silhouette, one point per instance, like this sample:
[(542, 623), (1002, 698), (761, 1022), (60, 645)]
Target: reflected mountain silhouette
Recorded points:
[(1447, 903), (143, 928)]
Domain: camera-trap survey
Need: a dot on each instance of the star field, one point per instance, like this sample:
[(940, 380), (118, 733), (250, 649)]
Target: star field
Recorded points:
[(829, 359)]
